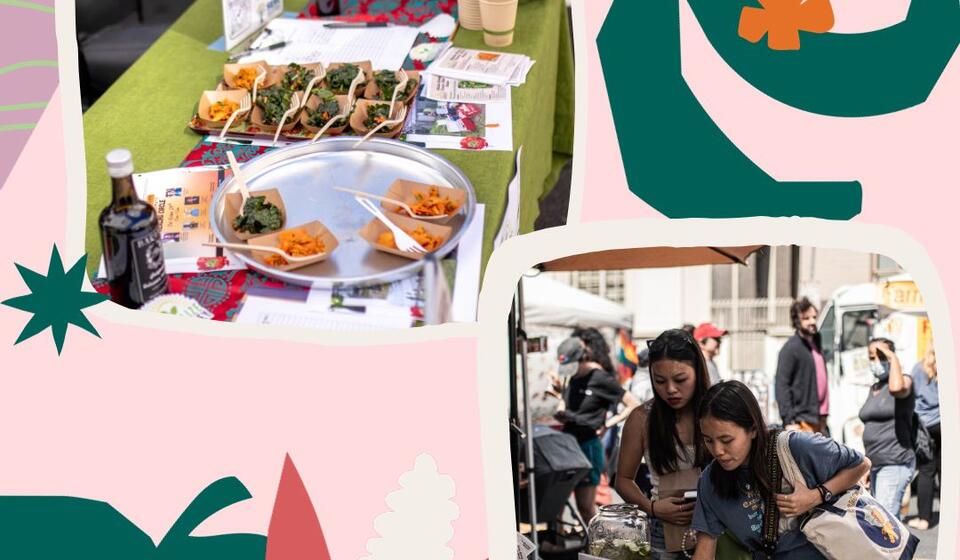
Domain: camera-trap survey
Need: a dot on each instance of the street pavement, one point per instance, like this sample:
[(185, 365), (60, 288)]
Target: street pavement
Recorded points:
[(927, 549)]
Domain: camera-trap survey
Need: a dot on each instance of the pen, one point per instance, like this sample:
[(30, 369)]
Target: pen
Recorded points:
[(272, 47), (356, 25)]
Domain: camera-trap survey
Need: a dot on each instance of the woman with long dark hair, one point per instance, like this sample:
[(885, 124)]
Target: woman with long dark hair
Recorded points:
[(735, 487), (663, 431)]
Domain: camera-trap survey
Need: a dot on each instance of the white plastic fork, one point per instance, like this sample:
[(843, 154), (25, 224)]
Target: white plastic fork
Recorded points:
[(256, 82), (238, 177), (405, 243), (404, 79), (316, 78), (267, 249), (357, 80), (401, 116), (245, 106), (346, 110), (342, 116), (294, 107), (395, 202)]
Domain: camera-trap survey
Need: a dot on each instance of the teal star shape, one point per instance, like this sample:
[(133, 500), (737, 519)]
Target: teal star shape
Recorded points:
[(56, 300)]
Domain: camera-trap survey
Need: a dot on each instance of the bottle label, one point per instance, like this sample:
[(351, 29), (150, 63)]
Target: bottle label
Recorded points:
[(149, 274)]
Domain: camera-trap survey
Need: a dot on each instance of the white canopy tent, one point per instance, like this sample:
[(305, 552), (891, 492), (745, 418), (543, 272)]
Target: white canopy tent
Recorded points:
[(550, 302)]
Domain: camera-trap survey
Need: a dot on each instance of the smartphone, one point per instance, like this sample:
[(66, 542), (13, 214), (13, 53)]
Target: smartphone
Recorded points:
[(690, 496)]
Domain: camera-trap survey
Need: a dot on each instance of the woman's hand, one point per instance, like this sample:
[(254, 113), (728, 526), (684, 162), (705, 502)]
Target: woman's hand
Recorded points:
[(674, 510), (800, 502), (884, 349)]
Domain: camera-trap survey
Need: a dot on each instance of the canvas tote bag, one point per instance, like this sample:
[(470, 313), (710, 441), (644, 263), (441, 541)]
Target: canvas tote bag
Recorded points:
[(853, 524), (674, 485)]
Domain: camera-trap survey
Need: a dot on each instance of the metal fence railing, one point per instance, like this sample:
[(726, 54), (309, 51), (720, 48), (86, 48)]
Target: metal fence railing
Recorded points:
[(749, 321)]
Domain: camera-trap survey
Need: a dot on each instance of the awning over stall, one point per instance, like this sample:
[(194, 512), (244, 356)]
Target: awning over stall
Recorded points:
[(551, 302)]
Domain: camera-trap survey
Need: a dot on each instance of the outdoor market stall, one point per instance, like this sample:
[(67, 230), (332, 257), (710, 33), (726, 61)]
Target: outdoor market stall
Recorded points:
[(149, 108), (521, 419)]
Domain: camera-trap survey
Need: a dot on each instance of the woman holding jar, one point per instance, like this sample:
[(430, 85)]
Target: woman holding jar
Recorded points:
[(663, 432)]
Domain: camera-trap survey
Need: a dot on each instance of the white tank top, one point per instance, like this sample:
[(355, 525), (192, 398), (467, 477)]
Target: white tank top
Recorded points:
[(685, 460)]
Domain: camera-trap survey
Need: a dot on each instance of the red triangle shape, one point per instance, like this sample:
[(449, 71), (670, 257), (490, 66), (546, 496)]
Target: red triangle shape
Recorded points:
[(294, 532)]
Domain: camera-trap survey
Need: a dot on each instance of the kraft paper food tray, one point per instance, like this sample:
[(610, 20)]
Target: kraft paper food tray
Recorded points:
[(279, 71), (230, 72), (233, 206), (366, 66), (312, 103), (375, 227), (405, 191), (360, 115), (208, 98), (313, 229), (373, 90)]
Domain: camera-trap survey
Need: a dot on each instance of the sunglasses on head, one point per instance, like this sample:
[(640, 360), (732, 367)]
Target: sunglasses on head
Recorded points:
[(658, 345)]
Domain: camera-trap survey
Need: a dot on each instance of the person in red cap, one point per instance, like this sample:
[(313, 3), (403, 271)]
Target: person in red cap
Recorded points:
[(709, 335)]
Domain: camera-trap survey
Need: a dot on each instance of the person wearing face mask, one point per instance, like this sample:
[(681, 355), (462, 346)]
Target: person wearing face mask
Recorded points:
[(733, 489), (663, 433), (887, 416), (586, 392)]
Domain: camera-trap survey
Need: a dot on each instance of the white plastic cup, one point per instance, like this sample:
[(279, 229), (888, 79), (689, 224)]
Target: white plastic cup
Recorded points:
[(499, 20)]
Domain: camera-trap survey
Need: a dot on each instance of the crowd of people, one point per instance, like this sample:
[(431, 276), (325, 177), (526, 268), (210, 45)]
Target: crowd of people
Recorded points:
[(696, 457)]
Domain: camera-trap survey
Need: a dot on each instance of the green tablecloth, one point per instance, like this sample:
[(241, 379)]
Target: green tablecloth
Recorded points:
[(147, 108)]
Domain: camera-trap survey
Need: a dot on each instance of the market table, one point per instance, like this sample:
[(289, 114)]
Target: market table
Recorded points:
[(147, 109)]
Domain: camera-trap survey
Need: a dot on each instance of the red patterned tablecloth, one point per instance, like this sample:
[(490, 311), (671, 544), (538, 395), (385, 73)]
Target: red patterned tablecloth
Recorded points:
[(408, 12)]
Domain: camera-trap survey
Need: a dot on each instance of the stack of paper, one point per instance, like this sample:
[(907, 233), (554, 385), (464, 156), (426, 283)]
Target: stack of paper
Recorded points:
[(496, 68), (307, 41)]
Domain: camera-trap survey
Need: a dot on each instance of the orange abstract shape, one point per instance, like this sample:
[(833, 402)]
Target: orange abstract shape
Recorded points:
[(294, 532), (783, 20)]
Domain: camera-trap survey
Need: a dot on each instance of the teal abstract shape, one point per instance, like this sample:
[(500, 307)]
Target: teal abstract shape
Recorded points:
[(843, 75), (42, 528), (675, 157), (179, 545), (56, 300), (55, 527)]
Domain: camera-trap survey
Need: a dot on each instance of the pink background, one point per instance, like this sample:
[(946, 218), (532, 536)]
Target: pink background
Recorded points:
[(149, 438), (908, 162), (145, 419)]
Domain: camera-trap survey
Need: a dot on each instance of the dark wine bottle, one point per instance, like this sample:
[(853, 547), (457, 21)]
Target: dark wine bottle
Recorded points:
[(130, 234)]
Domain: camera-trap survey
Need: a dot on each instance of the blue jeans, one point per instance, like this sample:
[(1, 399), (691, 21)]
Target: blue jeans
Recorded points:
[(889, 482)]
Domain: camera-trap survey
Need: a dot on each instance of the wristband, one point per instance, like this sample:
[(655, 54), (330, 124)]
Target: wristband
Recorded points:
[(652, 514)]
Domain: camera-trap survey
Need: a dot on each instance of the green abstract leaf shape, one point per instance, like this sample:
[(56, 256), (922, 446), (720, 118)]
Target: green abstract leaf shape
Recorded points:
[(179, 545), (675, 157), (59, 527), (48, 528), (843, 75)]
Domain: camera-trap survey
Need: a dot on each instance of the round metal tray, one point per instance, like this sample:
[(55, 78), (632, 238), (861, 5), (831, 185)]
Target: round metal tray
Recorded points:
[(305, 174)]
